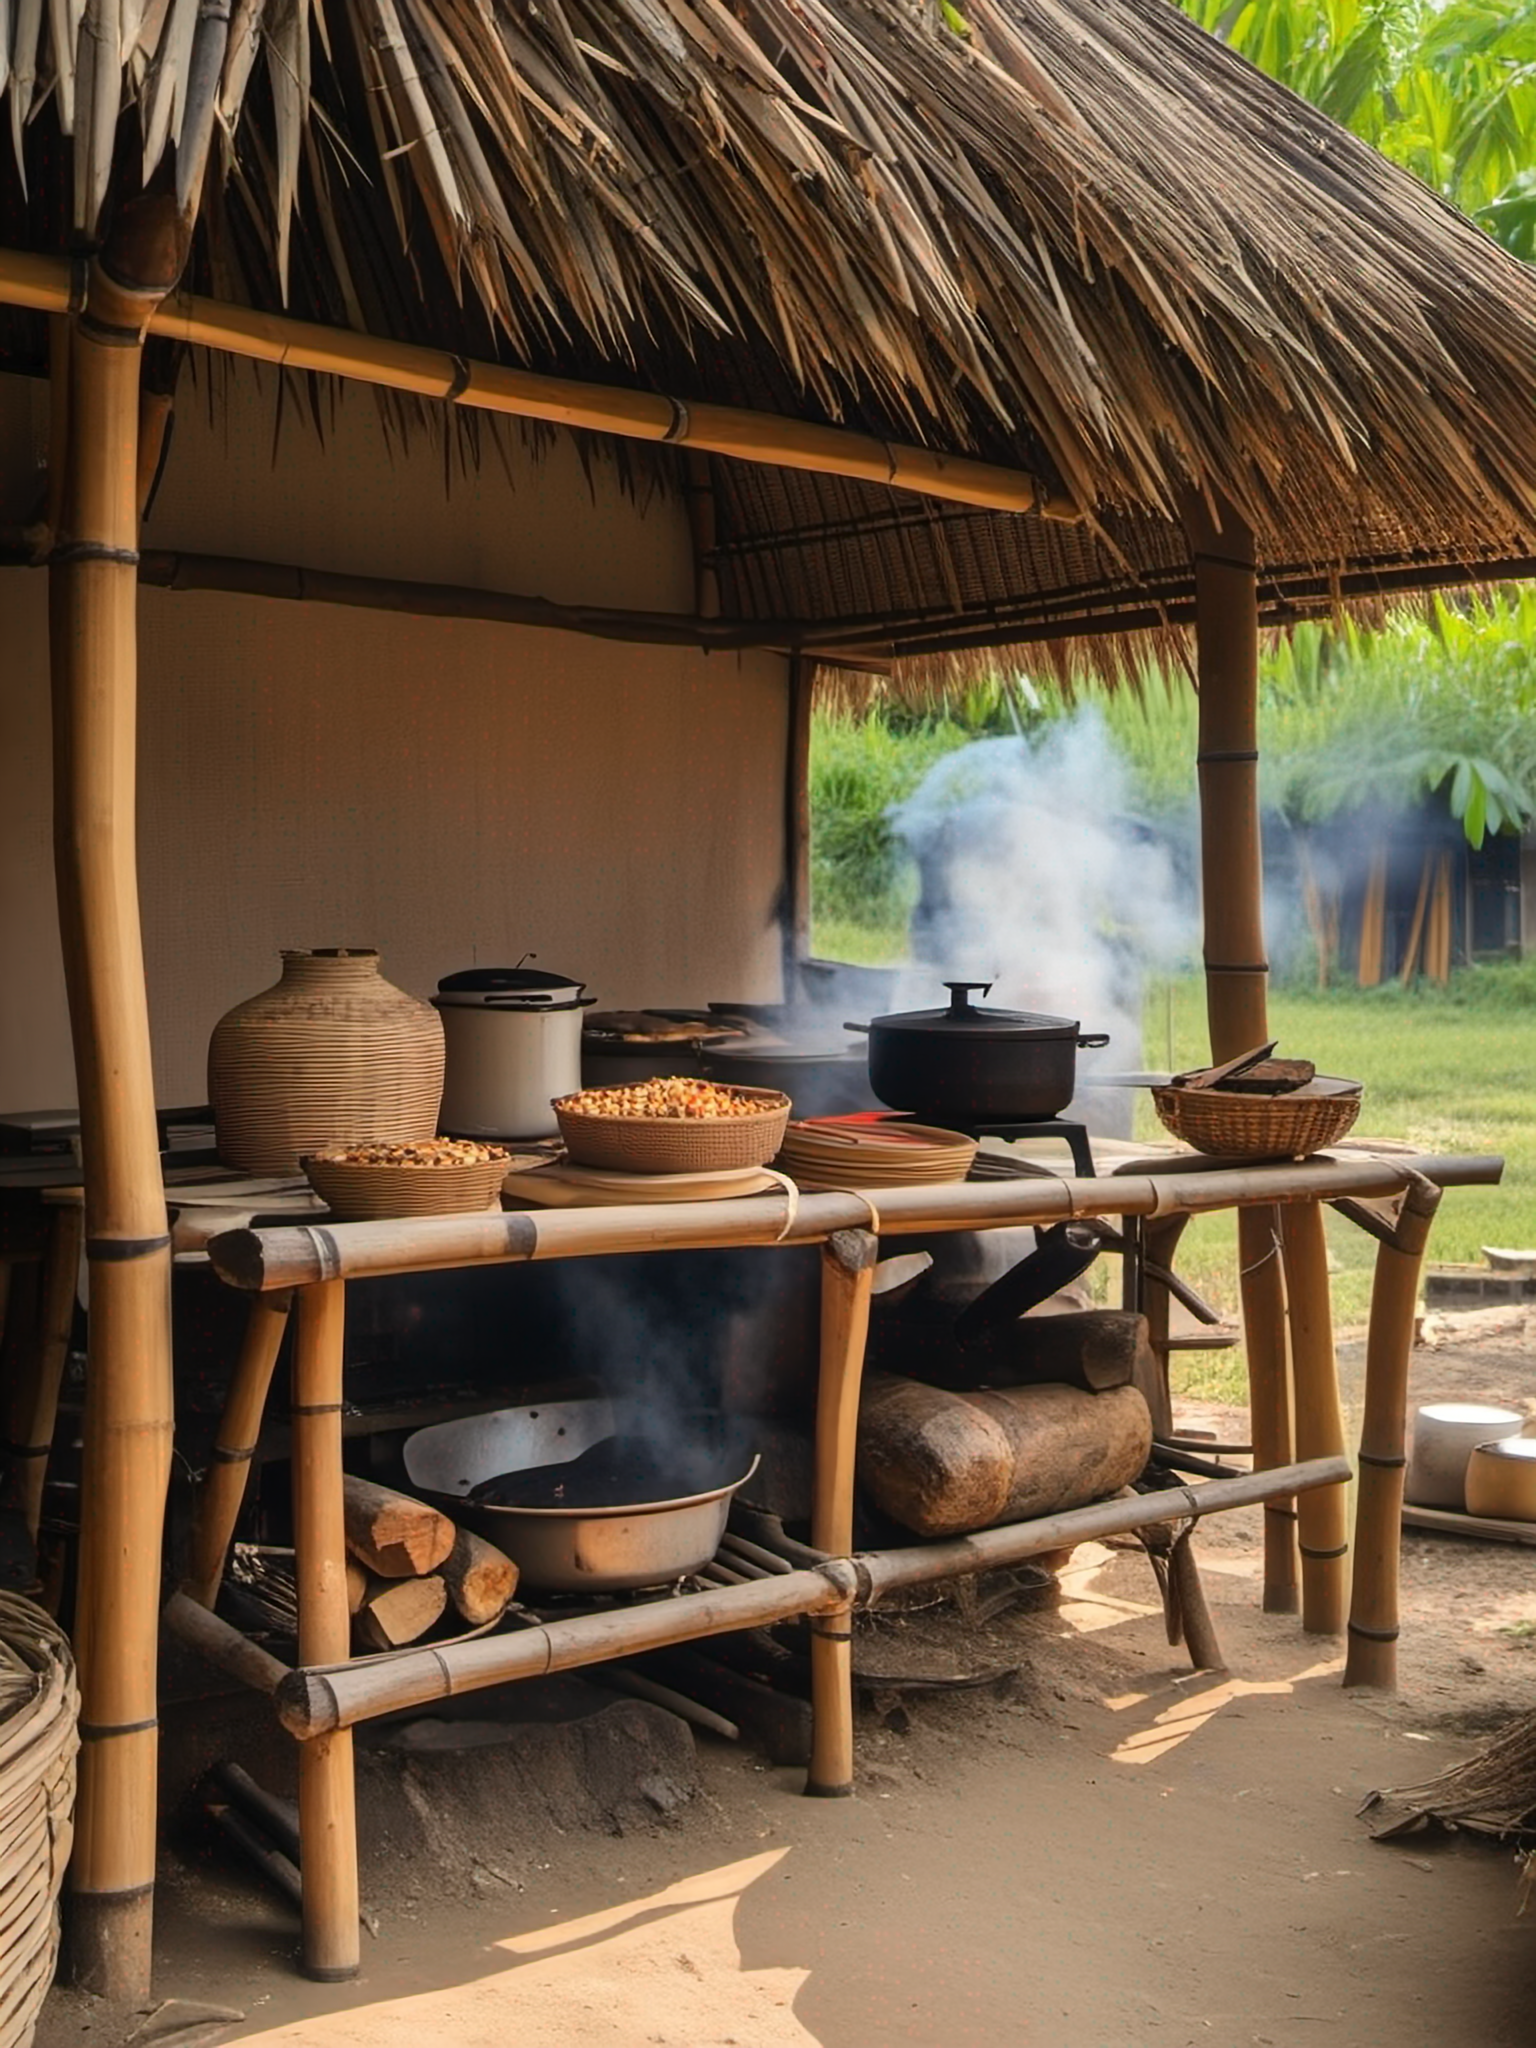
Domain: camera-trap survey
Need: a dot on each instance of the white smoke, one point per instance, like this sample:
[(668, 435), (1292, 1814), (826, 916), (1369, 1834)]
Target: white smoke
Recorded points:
[(1037, 877)]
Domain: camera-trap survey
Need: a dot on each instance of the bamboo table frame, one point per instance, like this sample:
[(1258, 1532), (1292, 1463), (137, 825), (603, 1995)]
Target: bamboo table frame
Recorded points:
[(311, 1264)]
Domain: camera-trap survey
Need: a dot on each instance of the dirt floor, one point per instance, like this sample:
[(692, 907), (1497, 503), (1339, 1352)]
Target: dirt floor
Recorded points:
[(1093, 1850)]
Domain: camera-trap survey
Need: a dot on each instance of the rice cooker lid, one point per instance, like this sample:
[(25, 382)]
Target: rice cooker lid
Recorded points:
[(511, 988)]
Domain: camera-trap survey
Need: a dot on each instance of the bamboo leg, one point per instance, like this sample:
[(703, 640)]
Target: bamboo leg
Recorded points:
[(1373, 1612), (93, 589), (223, 1489), (1262, 1279), (35, 1400), (847, 1274), (1160, 1242), (327, 1795), (1199, 1631), (1323, 1514)]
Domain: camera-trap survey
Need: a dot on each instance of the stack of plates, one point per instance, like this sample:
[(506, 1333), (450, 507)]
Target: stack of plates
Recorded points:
[(568, 1186), (836, 1152)]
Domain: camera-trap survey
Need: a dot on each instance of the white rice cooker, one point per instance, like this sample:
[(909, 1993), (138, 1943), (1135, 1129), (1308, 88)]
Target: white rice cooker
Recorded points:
[(512, 1038)]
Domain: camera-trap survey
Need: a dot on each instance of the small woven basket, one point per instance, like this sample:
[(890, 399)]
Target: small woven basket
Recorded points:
[(356, 1192), (1255, 1126), (39, 1712), (677, 1144)]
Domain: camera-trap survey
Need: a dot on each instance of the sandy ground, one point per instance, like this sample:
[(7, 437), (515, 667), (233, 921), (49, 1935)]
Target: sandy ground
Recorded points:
[(1097, 1852)]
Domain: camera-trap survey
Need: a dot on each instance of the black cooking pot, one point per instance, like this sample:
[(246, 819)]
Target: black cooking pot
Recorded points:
[(969, 1066)]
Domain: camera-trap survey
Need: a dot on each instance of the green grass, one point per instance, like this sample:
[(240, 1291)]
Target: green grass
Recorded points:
[(1449, 1071)]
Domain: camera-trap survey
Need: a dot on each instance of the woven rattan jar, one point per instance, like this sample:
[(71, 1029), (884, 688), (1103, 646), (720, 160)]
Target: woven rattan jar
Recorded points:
[(39, 1709), (330, 1054)]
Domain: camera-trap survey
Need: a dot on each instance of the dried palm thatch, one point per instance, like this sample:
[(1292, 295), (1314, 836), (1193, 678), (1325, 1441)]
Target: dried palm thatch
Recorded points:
[(1076, 235), (1492, 1793), (39, 1707)]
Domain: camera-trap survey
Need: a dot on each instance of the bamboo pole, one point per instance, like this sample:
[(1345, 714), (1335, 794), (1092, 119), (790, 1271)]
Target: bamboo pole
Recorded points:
[(1373, 1612), (1416, 929), (797, 822), (1195, 1623), (1323, 1515), (699, 486), (1261, 1281), (287, 1256), (327, 1795), (43, 282), (1236, 964), (35, 1396), (847, 1276), (222, 1492), (315, 1701), (1373, 923), (224, 1647), (93, 590)]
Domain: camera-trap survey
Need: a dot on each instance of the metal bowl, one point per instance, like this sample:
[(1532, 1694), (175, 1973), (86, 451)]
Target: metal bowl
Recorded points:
[(566, 1550)]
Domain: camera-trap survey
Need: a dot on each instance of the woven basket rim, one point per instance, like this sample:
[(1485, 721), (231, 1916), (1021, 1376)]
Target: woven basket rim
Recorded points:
[(774, 1103)]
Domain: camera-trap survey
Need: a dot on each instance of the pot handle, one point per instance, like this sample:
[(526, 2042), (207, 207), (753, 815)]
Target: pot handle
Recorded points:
[(1093, 1040), (536, 1002), (863, 1028)]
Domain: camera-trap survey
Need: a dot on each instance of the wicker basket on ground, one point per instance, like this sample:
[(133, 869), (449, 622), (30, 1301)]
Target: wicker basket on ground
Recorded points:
[(39, 1710)]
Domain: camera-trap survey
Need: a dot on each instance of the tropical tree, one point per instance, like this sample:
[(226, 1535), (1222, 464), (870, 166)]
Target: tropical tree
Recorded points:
[(1448, 91)]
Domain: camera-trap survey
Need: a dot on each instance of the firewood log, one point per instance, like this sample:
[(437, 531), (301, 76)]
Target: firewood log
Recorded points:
[(480, 1578), (357, 1585), (396, 1611), (1104, 1348), (944, 1463), (395, 1536)]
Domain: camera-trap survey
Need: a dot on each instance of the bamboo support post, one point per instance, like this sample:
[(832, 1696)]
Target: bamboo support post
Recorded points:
[(1271, 1419), (223, 1489), (312, 1702), (1323, 1524), (797, 821), (1373, 1612), (93, 589), (847, 1277), (35, 1397), (1236, 964), (327, 1795)]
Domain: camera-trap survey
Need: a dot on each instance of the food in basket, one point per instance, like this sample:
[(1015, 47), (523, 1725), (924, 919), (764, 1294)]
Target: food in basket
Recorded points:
[(414, 1152), (674, 1096)]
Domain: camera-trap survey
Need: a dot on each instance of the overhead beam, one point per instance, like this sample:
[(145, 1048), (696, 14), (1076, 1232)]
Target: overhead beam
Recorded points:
[(52, 284)]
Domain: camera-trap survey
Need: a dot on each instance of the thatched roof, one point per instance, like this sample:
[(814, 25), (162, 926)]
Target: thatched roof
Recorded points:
[(1080, 236)]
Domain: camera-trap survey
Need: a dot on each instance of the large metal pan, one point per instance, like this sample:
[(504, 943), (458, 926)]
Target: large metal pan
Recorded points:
[(568, 1550)]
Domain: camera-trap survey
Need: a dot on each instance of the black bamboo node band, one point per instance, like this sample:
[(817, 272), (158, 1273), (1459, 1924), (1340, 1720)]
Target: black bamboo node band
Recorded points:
[(94, 551), (310, 1408), (1235, 967), (224, 1457), (1386, 1464), (1322, 1556), (678, 431), (459, 383), (1374, 1635), (1224, 754), (832, 1635), (103, 1731), (118, 1250)]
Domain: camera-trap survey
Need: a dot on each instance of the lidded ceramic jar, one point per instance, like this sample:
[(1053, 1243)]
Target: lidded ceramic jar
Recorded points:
[(331, 1054)]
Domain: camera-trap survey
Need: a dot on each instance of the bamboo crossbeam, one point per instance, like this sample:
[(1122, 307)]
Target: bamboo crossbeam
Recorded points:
[(1373, 1611), (47, 284), (300, 1255), (316, 1701)]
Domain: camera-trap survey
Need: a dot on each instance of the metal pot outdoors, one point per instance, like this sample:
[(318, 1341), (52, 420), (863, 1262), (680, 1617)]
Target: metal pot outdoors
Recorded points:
[(819, 1080), (512, 1038), (970, 1066), (568, 1550)]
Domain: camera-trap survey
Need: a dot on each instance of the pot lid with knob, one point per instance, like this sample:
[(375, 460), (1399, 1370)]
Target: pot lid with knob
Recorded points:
[(967, 1019), (511, 988)]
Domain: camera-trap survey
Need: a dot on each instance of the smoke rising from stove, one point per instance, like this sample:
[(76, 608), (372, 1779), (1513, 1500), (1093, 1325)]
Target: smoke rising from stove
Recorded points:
[(1036, 875)]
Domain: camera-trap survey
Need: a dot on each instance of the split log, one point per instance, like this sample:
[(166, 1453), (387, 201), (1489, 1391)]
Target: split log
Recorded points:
[(357, 1585), (397, 1611), (480, 1579), (945, 1463), (395, 1536), (1103, 1348)]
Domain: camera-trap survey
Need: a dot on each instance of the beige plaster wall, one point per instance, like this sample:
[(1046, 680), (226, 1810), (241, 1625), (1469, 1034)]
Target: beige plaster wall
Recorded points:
[(451, 792)]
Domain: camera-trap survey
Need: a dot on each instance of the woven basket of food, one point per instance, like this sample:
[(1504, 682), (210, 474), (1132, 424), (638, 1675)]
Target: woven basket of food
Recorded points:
[(39, 1712), (673, 1125), (425, 1177), (1238, 1126)]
